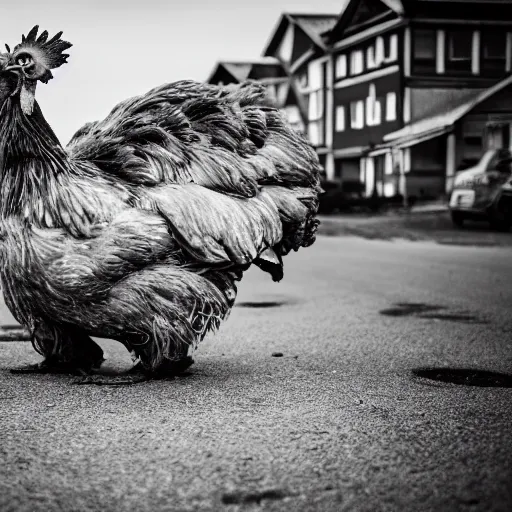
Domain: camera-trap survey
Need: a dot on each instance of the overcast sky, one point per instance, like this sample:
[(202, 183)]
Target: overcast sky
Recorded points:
[(123, 47)]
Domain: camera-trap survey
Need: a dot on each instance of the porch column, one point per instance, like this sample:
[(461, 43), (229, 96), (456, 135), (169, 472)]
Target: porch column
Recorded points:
[(450, 161), (329, 166)]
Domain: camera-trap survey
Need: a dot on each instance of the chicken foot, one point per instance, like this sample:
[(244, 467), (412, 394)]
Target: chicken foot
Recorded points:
[(138, 373), (65, 351), (141, 371)]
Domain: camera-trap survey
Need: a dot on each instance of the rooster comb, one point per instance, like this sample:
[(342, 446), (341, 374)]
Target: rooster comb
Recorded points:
[(47, 53)]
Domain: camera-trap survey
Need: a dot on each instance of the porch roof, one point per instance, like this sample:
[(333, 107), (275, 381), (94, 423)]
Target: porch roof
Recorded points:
[(437, 125)]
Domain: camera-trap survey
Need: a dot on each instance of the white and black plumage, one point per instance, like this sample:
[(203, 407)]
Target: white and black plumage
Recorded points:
[(140, 227)]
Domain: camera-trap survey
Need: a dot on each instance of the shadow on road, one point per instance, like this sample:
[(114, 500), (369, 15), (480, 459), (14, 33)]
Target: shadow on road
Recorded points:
[(263, 304), (430, 311), (465, 377)]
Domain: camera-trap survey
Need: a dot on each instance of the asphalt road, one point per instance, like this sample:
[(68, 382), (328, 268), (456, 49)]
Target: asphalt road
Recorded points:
[(340, 422)]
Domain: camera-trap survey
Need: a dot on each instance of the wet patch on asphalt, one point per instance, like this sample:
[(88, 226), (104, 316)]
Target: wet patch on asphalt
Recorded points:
[(410, 308), (430, 312), (239, 497), (465, 377)]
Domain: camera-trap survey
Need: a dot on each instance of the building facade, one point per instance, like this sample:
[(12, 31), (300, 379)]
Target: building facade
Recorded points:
[(398, 95)]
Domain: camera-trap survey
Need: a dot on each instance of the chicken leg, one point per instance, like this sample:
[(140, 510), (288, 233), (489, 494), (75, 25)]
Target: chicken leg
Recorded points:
[(141, 370), (65, 350)]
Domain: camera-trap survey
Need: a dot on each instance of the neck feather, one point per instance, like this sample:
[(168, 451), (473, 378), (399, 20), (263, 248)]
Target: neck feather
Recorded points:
[(31, 157)]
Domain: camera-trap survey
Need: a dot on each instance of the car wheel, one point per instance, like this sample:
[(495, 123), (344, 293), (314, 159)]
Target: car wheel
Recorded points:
[(457, 219)]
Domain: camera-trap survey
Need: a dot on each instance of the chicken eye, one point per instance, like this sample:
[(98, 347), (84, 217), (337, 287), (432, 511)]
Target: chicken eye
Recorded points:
[(24, 60)]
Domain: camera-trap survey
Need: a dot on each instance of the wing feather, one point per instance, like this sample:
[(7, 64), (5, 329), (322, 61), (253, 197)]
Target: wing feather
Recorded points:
[(225, 169), (217, 228)]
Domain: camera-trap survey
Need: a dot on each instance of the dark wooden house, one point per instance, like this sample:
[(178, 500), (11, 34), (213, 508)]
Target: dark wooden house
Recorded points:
[(395, 95), (420, 91)]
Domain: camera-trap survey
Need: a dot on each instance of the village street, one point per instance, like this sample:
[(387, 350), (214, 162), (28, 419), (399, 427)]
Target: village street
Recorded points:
[(344, 420)]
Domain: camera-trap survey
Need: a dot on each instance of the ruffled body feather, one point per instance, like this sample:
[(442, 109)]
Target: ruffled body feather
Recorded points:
[(139, 229)]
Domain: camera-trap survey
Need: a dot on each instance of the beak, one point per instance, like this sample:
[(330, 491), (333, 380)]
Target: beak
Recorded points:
[(25, 87), (13, 67)]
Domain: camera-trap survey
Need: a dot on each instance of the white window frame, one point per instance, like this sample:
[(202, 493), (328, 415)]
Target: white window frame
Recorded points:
[(341, 66), (370, 57), (340, 118), (316, 135), (357, 62), (393, 49), (373, 107), (379, 51), (388, 164), (357, 115), (316, 107), (391, 106), (315, 77)]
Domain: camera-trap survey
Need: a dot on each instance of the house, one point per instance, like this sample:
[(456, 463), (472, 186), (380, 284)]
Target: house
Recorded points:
[(420, 89), (395, 95), (298, 42), (268, 71)]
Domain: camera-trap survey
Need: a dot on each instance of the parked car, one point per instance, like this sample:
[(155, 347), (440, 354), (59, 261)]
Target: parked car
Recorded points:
[(340, 197), (484, 191)]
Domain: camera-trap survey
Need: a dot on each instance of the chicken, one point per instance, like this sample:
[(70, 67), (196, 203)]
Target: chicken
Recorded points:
[(141, 227)]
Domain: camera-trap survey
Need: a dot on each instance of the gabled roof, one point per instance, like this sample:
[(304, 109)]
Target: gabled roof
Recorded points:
[(241, 71), (313, 25), (353, 6), (444, 122)]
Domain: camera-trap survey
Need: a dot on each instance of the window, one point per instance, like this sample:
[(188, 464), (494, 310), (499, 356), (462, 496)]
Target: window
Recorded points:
[(424, 44), (493, 44), (315, 78), (341, 66), (340, 118), (388, 163), (460, 45), (356, 62), (373, 108), (357, 115), (391, 106), (316, 107), (370, 58), (315, 134), (391, 54), (379, 51), (459, 51)]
